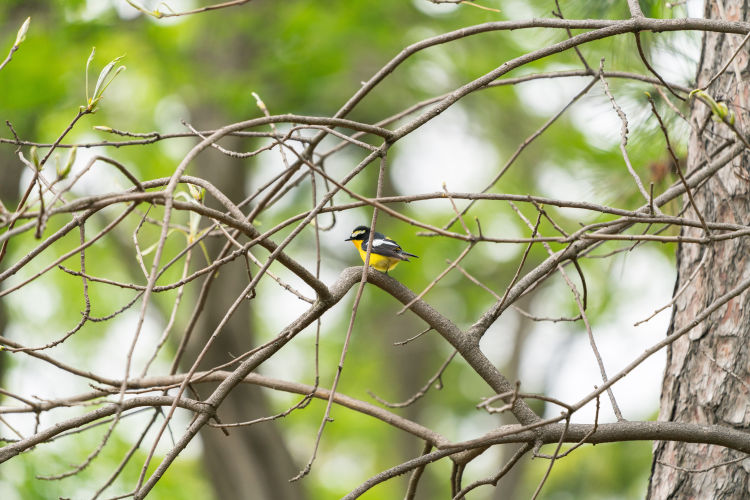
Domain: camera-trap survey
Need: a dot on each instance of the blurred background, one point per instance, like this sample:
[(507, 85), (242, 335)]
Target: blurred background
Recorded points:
[(307, 58)]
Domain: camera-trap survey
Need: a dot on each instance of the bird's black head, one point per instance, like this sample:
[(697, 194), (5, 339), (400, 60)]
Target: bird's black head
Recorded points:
[(359, 233)]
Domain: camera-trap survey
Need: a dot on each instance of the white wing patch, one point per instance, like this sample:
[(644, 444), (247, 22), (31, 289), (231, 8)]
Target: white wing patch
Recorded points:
[(379, 242)]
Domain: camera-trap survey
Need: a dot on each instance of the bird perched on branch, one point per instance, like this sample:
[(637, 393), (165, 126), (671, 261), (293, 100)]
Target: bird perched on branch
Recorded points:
[(385, 254)]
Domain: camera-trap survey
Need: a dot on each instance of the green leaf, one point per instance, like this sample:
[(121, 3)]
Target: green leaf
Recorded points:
[(101, 83), (88, 64), (62, 173), (34, 155), (21, 36)]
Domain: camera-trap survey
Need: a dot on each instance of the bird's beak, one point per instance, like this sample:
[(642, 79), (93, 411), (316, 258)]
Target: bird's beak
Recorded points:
[(348, 239)]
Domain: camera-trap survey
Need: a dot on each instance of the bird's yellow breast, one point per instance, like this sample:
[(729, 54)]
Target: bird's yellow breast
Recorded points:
[(379, 262)]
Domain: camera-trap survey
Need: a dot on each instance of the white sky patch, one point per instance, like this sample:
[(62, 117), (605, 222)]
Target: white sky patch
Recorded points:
[(168, 116), (11, 488), (446, 423), (120, 333), (596, 118), (694, 8), (295, 361), (430, 76), (497, 343), (124, 10), (443, 151), (675, 67), (547, 96), (169, 113), (93, 10), (274, 308), (270, 164), (645, 282), (101, 177), (594, 114), (128, 12), (50, 382), (36, 304), (515, 9), (560, 183), (473, 425), (433, 9), (46, 381), (501, 225), (345, 463), (341, 163)]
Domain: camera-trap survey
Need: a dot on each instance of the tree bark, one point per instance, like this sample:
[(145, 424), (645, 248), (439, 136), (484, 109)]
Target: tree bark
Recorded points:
[(707, 373)]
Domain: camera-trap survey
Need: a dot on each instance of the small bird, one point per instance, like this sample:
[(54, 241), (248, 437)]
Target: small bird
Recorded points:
[(386, 253)]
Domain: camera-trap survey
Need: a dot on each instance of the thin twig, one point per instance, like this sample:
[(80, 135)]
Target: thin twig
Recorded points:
[(729, 61), (416, 475), (552, 460), (519, 453), (350, 328), (415, 337), (703, 469), (651, 69), (623, 133), (421, 392), (160, 14), (679, 170)]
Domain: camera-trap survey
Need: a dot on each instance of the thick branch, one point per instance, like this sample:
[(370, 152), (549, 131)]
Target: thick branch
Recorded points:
[(605, 433)]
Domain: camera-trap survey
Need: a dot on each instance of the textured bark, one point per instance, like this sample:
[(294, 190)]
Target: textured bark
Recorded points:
[(707, 373)]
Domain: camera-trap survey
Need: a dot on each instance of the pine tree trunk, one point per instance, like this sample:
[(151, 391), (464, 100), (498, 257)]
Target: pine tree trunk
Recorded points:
[(707, 374)]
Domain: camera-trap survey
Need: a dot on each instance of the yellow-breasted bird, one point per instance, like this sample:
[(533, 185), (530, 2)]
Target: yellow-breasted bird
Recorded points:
[(385, 254)]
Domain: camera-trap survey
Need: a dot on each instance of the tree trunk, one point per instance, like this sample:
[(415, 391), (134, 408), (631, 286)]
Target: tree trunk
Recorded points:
[(252, 462), (707, 373)]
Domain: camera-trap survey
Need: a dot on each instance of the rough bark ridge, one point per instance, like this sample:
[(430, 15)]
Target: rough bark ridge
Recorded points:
[(707, 374)]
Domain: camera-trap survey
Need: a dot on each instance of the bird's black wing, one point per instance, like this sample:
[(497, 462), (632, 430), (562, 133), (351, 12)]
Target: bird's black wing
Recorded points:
[(386, 247), (401, 250)]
